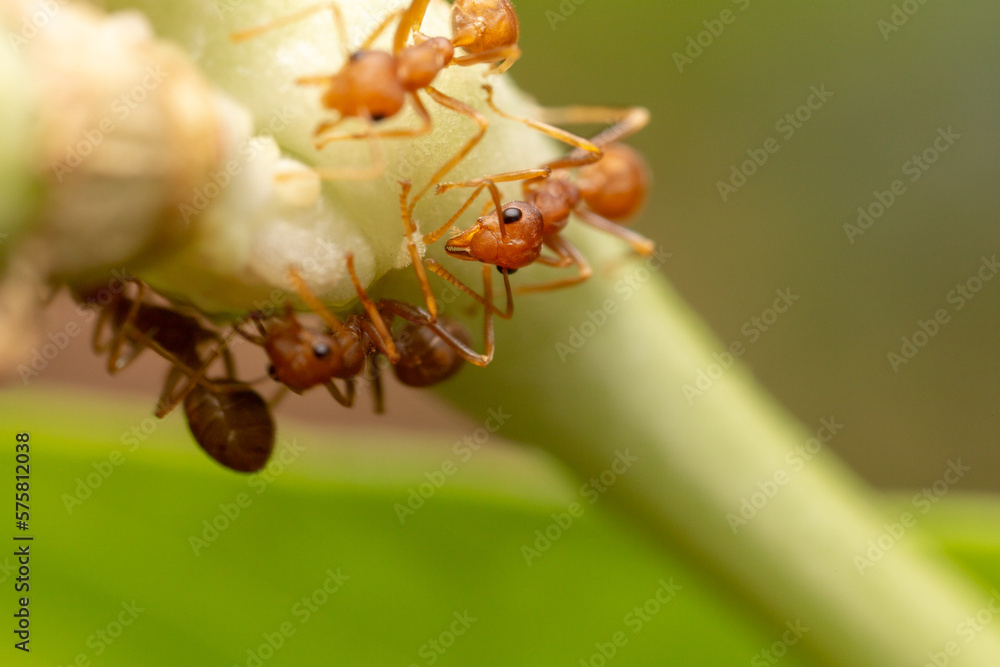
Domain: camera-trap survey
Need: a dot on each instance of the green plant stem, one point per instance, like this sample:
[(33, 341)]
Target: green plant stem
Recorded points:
[(623, 390)]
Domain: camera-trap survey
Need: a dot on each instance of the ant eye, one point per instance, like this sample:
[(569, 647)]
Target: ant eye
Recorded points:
[(511, 215), (272, 372), (321, 350), (354, 56), (377, 116), (509, 272)]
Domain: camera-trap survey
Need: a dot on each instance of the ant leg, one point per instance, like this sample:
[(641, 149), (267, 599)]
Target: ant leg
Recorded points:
[(376, 169), (624, 122), (640, 244), (367, 44), (508, 54), (439, 232), (508, 311), (102, 321), (311, 300), (288, 19), (416, 316), (347, 400), (480, 183), (259, 338), (384, 339), (588, 151), (116, 359), (462, 108), (279, 396), (170, 400), (568, 256), (375, 377), (318, 80), (415, 259), (399, 133), (410, 22), (165, 405)]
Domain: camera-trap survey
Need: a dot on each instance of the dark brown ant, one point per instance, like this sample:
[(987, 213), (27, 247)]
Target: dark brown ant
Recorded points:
[(227, 418), (613, 186), (423, 352), (373, 85)]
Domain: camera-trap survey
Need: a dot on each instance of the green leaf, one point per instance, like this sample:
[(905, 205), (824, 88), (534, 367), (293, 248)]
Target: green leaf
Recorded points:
[(333, 507)]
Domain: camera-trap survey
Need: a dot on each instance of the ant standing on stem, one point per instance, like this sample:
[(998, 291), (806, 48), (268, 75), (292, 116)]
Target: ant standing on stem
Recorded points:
[(373, 85), (423, 352), (613, 182)]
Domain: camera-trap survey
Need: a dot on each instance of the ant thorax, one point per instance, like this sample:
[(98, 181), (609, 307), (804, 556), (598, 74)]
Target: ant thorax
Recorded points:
[(555, 197)]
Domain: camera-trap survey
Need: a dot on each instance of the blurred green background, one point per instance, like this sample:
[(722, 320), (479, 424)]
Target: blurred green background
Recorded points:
[(784, 228)]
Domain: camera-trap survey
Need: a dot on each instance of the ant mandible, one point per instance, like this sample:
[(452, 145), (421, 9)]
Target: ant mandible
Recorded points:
[(226, 417)]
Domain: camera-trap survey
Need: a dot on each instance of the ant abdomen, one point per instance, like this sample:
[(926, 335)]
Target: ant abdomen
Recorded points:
[(424, 358), (367, 86), (233, 427), (615, 187), (479, 26)]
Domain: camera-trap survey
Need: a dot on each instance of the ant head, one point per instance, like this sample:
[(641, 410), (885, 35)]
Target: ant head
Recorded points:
[(302, 359), (518, 244), (615, 186), (555, 198), (479, 26), (416, 66), (425, 359), (367, 84)]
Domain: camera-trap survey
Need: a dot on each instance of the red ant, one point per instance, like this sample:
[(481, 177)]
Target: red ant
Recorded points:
[(424, 352), (228, 419), (613, 181), (373, 85)]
